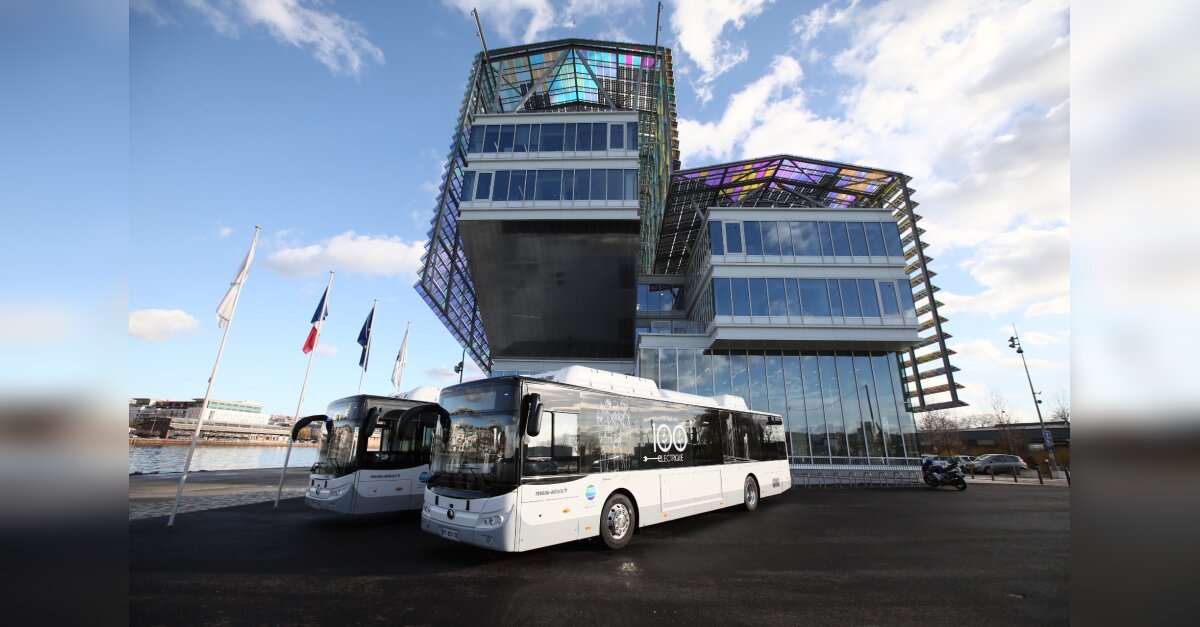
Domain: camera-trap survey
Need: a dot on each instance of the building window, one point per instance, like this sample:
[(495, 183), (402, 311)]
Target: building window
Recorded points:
[(733, 237), (631, 136), (506, 138), (721, 297), (813, 297), (875, 239), (866, 294), (841, 239), (770, 238), (805, 239), (778, 296), (483, 189), (759, 305), (753, 238), (851, 307), (552, 137), (716, 242), (741, 296), (549, 185), (858, 239), (468, 188), (887, 296), (616, 136)]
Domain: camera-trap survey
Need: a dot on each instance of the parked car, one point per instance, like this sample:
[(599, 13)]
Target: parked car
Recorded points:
[(938, 460), (997, 463), (963, 460)]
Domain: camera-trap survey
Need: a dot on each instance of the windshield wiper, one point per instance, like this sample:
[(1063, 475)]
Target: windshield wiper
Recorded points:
[(481, 477)]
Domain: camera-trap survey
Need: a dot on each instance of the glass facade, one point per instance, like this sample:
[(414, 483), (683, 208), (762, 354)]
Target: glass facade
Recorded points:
[(551, 138), (559, 185), (840, 407), (788, 298), (805, 238)]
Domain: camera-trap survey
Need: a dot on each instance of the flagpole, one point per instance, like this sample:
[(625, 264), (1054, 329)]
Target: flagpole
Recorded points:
[(207, 395), (311, 356), (370, 334)]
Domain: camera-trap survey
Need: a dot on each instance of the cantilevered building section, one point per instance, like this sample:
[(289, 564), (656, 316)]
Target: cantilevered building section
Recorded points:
[(789, 182), (566, 233), (562, 83)]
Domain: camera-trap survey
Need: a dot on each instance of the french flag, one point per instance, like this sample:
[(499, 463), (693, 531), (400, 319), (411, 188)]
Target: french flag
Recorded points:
[(319, 315)]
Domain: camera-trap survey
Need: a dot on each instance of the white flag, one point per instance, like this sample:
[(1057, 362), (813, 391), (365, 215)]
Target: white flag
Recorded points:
[(225, 309), (401, 361)]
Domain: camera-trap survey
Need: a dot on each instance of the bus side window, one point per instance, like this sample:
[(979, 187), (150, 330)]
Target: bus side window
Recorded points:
[(555, 451), (705, 439)]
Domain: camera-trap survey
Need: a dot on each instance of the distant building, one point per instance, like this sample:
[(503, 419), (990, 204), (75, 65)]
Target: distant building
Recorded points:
[(1023, 438), (242, 413)]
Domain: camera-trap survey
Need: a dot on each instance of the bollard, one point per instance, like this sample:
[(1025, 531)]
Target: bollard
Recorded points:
[(1068, 471), (1014, 473), (972, 469), (1039, 470), (992, 472)]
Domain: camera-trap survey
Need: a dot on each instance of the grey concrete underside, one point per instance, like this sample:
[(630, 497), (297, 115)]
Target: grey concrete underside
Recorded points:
[(555, 288)]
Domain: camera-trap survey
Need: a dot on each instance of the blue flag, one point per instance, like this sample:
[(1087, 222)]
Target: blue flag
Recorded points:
[(364, 340)]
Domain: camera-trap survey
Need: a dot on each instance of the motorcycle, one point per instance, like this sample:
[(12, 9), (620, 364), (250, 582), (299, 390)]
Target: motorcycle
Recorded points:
[(936, 477)]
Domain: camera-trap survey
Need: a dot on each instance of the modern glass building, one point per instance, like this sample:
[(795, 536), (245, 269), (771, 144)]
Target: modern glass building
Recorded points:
[(566, 233)]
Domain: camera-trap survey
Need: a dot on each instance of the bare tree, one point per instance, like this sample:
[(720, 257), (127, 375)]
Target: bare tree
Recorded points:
[(940, 432), (1062, 407), (1009, 436)]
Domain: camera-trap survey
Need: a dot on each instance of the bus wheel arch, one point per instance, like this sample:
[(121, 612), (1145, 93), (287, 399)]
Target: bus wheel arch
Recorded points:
[(751, 492)]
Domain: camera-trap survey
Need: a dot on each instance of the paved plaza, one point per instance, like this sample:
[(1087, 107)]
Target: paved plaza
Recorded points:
[(994, 554)]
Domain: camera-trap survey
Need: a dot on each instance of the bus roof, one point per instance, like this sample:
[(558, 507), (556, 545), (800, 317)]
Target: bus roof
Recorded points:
[(626, 385)]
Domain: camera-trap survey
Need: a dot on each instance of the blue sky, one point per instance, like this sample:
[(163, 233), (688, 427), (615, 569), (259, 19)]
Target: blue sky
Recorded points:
[(327, 124)]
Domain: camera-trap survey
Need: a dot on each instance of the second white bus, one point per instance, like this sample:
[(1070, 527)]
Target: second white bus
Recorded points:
[(521, 463)]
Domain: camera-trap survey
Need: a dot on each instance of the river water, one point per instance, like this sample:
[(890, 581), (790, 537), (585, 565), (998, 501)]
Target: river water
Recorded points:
[(148, 459)]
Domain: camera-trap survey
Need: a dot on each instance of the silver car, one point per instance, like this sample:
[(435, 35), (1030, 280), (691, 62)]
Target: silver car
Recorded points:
[(997, 463)]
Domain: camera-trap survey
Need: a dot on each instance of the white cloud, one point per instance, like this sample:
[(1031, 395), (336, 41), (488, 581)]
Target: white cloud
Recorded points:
[(327, 351), (447, 374), (160, 325), (1037, 338), (698, 25), (378, 255), (338, 43), (981, 355), (1016, 268), (1055, 306), (509, 16), (224, 231), (809, 25)]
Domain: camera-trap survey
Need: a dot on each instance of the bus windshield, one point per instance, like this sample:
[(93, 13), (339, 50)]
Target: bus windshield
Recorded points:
[(479, 452), (338, 449)]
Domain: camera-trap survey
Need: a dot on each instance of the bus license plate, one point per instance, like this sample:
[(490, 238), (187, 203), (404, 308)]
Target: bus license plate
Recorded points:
[(449, 533)]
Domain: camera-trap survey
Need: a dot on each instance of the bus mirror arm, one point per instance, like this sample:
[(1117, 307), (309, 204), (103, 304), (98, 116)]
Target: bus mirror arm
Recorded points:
[(305, 421), (533, 424)]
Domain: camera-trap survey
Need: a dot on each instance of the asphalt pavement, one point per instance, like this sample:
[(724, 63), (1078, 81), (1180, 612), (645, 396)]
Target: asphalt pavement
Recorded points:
[(994, 554)]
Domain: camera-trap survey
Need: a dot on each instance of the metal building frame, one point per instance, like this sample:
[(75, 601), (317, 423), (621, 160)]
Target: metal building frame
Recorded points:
[(791, 181)]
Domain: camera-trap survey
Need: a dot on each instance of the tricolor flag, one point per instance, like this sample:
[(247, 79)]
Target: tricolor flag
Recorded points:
[(319, 316), (364, 340), (225, 309)]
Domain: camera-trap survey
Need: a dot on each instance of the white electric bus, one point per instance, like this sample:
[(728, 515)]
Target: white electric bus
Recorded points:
[(526, 462), (375, 452)]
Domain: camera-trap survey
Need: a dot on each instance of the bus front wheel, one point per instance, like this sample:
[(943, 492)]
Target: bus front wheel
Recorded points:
[(617, 521), (750, 494)]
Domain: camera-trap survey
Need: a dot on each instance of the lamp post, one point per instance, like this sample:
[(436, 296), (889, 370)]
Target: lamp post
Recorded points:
[(1014, 342)]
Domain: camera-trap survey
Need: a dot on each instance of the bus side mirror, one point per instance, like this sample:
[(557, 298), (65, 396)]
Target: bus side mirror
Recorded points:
[(533, 426), (444, 420)]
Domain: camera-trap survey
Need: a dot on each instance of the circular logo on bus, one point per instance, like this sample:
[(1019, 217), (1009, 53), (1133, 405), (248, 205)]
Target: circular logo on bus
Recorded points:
[(590, 492), (424, 477)]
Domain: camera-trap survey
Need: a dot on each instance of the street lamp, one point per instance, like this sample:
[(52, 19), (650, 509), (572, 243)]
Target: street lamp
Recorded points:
[(1015, 343)]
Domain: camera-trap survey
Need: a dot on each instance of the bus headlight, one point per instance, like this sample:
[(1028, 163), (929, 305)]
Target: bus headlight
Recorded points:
[(495, 520), (425, 509)]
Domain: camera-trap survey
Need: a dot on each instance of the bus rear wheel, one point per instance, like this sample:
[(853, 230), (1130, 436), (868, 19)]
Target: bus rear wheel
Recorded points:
[(617, 521), (750, 494)]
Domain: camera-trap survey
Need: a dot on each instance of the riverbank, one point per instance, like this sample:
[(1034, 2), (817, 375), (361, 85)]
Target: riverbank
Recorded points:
[(185, 442), (152, 495)]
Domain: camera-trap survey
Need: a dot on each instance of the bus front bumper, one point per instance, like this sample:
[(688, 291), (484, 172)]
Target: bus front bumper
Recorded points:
[(339, 499), (469, 525)]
